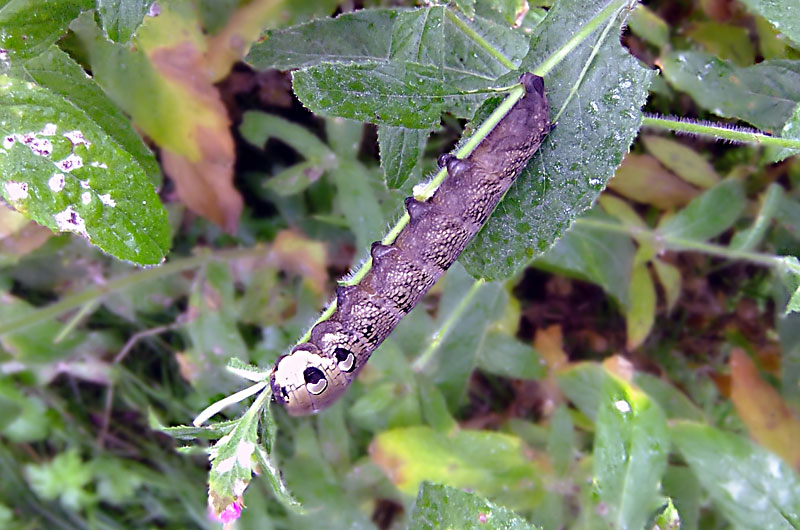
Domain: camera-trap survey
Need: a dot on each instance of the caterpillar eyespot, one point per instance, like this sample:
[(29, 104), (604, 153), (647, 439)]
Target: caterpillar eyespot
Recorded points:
[(315, 380), (316, 373), (347, 361)]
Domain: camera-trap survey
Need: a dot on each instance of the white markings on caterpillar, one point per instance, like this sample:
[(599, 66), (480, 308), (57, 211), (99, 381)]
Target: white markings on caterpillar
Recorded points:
[(16, 191), (8, 142), (73, 161), (70, 221), (56, 182), (86, 197), (101, 165), (49, 129)]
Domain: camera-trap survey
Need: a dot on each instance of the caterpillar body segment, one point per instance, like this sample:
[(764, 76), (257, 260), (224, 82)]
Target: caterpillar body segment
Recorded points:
[(316, 373)]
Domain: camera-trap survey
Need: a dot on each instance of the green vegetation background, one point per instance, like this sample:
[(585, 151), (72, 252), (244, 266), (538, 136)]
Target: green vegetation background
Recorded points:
[(609, 353)]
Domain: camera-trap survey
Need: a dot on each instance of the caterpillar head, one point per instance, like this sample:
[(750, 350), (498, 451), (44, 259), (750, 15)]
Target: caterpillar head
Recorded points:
[(308, 380)]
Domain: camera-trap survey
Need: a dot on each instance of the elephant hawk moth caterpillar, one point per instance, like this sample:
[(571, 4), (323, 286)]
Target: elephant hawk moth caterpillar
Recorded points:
[(316, 373)]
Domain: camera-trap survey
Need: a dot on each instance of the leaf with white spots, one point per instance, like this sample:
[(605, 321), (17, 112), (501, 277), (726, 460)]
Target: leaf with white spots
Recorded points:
[(753, 487), (67, 170), (237, 455)]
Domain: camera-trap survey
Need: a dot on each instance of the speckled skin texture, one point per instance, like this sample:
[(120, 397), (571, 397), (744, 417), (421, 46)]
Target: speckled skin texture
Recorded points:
[(317, 372)]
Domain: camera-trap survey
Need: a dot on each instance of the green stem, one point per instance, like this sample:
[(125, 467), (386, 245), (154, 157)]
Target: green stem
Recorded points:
[(96, 293), (87, 309), (598, 20), (472, 34), (680, 244), (718, 131), (576, 85), (424, 359)]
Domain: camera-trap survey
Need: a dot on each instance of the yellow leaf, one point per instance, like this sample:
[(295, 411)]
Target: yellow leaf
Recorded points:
[(642, 306), (769, 420), (643, 179)]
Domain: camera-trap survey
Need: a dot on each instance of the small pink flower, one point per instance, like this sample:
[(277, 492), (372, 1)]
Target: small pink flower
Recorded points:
[(231, 512)]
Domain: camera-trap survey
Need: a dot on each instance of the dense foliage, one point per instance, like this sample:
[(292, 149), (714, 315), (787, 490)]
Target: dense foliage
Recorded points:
[(608, 353)]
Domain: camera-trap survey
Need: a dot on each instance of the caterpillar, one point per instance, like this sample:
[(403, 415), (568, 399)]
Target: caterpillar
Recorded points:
[(316, 373)]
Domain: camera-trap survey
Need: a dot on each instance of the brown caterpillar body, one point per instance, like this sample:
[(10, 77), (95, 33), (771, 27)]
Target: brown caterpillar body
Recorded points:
[(317, 372)]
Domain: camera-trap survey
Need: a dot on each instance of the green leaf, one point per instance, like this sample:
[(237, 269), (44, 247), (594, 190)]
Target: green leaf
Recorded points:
[(432, 36), (25, 417), (683, 489), (641, 311), (434, 407), (578, 157), (258, 127), (752, 236), (599, 256), (726, 41), (791, 130), (213, 331), (65, 170), (752, 487), (669, 276), (368, 33), (399, 94), (121, 18), (630, 454), (764, 95), (358, 203), (65, 478), (34, 344), (60, 74), (442, 507), (506, 356), (466, 6), (401, 153), (791, 273), (683, 161), (782, 15), (492, 464), (672, 401), (265, 456), (31, 26), (647, 25), (233, 461), (466, 313), (409, 71), (708, 215), (561, 440), (583, 385)]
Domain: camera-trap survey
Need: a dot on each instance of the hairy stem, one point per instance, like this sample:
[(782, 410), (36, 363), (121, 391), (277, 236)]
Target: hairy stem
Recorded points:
[(718, 132)]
